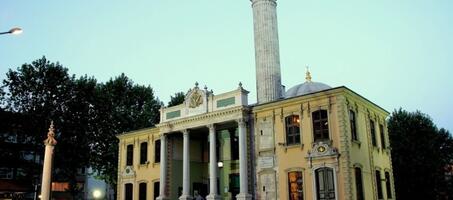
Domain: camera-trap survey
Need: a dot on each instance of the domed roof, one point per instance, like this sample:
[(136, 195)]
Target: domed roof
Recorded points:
[(306, 88)]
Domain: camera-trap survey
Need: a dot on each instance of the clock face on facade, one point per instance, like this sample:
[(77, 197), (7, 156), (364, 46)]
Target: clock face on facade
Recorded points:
[(195, 100)]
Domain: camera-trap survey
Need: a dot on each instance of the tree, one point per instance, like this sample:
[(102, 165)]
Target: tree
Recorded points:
[(177, 99), (420, 156), (121, 106), (45, 91)]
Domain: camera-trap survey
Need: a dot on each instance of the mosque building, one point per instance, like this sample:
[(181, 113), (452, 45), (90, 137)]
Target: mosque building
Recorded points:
[(311, 142)]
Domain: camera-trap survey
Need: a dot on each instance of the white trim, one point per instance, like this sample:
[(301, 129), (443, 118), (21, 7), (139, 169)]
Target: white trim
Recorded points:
[(313, 171)]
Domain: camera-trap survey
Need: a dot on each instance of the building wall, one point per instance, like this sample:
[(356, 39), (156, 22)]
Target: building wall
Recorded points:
[(270, 134), (273, 157), (147, 173)]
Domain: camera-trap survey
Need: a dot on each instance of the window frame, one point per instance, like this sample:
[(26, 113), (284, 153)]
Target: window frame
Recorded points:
[(300, 193), (382, 135), (141, 192), (292, 130), (129, 155), (378, 180), (353, 125), (388, 185), (143, 153), (321, 121), (126, 193), (157, 146), (373, 133), (359, 183)]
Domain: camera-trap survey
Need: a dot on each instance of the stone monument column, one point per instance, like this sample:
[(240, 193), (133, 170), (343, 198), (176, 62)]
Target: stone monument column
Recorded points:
[(50, 143), (267, 55)]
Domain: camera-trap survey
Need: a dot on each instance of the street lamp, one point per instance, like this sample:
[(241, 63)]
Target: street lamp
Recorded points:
[(14, 31), (97, 194)]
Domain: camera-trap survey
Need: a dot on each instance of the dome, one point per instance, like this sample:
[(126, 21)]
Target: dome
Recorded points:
[(306, 88)]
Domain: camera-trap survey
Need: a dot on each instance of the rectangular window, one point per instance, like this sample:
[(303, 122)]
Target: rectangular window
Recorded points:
[(359, 183), (156, 190), (6, 173), (157, 151), (352, 124), (234, 140), (381, 130), (388, 185), (379, 185), (373, 133), (142, 191), (128, 191), (143, 152), (292, 124), (295, 185), (320, 125), (129, 155)]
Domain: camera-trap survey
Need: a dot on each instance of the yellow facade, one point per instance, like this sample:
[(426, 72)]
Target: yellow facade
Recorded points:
[(274, 164), (148, 172), (351, 153)]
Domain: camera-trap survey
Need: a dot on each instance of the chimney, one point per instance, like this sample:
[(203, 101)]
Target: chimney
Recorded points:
[(267, 56)]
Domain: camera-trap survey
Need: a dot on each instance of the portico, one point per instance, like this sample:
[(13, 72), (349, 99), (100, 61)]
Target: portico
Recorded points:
[(202, 116)]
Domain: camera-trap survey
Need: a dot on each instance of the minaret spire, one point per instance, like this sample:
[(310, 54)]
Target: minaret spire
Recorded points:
[(267, 56)]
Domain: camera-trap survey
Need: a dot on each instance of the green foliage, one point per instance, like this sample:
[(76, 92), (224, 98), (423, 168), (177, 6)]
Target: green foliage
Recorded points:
[(177, 99), (420, 156), (121, 106), (87, 115)]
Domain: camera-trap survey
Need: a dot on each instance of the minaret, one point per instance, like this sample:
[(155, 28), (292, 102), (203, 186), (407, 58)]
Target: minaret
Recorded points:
[(267, 56), (50, 142)]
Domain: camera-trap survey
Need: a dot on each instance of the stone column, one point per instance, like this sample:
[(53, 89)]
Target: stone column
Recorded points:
[(163, 168), (243, 177), (186, 167), (212, 164), (267, 56), (50, 142)]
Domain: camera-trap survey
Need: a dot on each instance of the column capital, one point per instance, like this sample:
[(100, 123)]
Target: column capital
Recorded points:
[(211, 126), (185, 132), (241, 121)]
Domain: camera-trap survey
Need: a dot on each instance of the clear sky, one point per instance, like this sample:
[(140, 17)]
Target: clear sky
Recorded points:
[(395, 53)]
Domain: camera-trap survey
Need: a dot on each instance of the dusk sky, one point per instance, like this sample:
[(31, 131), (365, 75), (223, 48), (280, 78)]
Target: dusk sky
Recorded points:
[(394, 53)]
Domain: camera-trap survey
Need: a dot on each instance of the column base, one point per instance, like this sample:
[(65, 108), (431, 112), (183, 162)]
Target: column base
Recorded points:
[(213, 197), (185, 197), (244, 196), (162, 198)]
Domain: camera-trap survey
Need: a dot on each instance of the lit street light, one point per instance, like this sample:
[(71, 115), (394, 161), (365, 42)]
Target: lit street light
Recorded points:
[(14, 31)]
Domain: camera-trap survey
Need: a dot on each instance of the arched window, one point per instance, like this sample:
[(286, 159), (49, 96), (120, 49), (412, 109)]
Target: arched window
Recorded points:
[(320, 125), (388, 185), (358, 183), (295, 185), (325, 184), (292, 124), (142, 191), (379, 184), (128, 191)]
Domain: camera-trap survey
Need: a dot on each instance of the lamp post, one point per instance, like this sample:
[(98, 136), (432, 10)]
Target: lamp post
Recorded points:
[(14, 31)]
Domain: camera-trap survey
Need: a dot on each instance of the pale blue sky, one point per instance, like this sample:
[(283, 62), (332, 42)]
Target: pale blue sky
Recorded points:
[(395, 53)]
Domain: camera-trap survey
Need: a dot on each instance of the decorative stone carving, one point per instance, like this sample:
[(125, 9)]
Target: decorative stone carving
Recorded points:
[(128, 171)]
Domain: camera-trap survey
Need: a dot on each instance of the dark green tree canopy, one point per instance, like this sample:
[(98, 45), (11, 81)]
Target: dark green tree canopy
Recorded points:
[(421, 154), (87, 115), (177, 99)]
